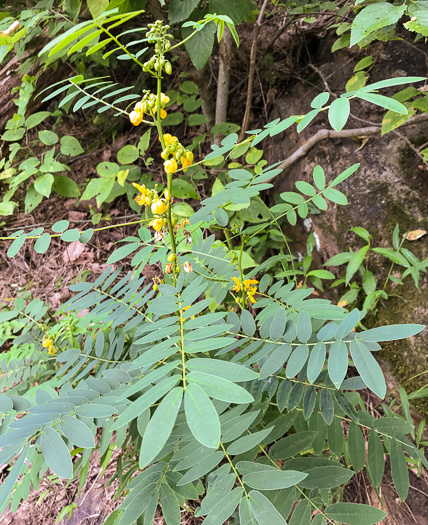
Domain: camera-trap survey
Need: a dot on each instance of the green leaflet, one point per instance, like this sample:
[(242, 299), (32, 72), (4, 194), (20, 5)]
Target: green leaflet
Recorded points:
[(160, 426), (77, 432), (400, 474), (390, 333), (292, 445), (368, 368), (355, 513), (375, 458), (316, 361), (248, 442), (201, 416), (219, 388), (301, 514), (231, 371), (338, 362), (356, 443), (246, 516), (263, 510), (273, 479), (145, 401), (170, 507), (224, 508), (56, 453)]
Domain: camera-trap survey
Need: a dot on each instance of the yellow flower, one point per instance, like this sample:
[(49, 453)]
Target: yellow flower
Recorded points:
[(237, 285), (168, 139), (49, 344), (159, 207), (164, 99), (157, 224), (163, 113), (136, 117), (185, 163), (47, 341), (142, 197), (248, 282), (170, 166), (246, 285)]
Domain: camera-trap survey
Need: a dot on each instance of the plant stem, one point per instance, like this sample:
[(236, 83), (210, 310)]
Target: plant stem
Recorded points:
[(228, 241), (169, 175), (183, 360), (233, 468)]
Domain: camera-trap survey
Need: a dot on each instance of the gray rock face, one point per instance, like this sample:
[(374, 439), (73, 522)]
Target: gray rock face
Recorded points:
[(390, 187)]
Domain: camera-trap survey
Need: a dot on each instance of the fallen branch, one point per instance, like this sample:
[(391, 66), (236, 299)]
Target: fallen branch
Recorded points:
[(323, 134)]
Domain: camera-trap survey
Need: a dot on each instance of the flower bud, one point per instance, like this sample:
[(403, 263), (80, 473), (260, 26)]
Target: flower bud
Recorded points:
[(171, 257), (168, 67), (157, 224), (135, 117), (170, 166)]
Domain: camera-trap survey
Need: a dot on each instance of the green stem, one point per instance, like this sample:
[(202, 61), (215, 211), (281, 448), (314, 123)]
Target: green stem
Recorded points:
[(124, 49), (169, 175), (238, 477), (185, 40), (241, 274), (183, 357), (228, 241)]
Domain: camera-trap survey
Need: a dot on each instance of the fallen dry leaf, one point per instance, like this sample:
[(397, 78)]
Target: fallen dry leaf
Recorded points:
[(76, 215), (415, 235), (73, 251)]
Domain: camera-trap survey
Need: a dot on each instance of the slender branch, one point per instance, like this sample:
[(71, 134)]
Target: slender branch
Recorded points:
[(253, 54), (323, 134)]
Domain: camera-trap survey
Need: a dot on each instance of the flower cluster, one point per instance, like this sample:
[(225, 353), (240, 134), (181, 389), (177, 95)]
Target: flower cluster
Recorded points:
[(157, 205), (149, 105), (246, 285), (158, 35), (48, 343), (178, 154)]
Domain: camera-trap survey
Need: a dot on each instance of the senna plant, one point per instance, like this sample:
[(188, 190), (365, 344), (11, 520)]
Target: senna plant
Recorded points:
[(221, 384)]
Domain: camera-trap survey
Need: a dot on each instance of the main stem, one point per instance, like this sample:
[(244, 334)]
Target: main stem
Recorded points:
[(169, 175)]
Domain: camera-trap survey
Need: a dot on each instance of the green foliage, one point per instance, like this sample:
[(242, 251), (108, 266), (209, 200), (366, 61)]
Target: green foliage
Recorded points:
[(225, 381)]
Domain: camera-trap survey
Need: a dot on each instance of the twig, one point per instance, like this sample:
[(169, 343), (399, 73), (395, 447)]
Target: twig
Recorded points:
[(256, 29), (323, 134), (411, 146)]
